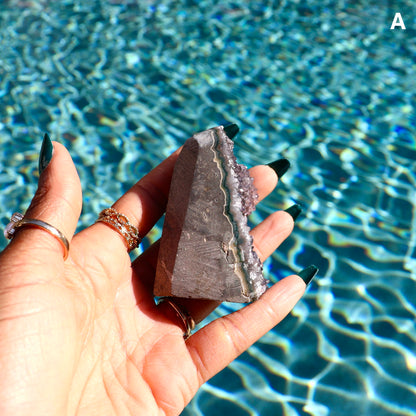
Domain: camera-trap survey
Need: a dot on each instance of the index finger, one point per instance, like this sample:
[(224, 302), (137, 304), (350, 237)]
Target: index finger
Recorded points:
[(143, 204)]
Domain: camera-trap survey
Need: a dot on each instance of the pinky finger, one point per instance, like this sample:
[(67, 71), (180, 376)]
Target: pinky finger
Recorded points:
[(220, 342)]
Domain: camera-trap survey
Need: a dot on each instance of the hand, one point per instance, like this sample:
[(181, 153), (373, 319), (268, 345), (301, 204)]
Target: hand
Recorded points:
[(83, 336)]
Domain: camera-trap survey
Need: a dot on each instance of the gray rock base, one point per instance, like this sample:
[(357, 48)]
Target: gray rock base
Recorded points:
[(206, 249)]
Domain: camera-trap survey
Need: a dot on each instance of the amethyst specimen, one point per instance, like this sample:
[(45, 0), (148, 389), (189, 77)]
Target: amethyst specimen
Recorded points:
[(206, 251)]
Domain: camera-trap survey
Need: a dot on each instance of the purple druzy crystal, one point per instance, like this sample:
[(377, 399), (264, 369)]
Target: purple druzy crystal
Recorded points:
[(244, 187), (246, 190)]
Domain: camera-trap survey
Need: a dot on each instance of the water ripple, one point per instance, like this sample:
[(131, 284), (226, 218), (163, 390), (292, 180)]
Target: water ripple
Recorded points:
[(123, 83)]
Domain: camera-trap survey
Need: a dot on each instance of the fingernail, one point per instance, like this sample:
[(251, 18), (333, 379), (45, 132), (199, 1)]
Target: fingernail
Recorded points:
[(231, 130), (308, 274), (46, 152), (280, 167), (294, 211)]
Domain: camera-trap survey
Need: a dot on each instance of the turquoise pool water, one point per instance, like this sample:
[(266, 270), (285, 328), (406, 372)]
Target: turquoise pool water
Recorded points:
[(325, 84)]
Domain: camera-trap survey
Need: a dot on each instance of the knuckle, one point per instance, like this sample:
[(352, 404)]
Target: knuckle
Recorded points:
[(235, 335)]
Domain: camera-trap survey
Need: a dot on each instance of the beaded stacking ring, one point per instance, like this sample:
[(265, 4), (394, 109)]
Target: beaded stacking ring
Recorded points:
[(19, 221), (182, 314), (122, 225)]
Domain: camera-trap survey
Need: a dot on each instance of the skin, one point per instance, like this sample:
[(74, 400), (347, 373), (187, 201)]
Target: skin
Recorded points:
[(84, 337)]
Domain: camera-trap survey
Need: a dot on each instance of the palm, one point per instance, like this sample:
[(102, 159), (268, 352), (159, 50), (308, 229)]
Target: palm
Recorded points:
[(127, 342)]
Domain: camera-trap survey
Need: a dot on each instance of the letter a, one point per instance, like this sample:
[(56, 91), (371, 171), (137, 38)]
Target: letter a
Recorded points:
[(398, 21)]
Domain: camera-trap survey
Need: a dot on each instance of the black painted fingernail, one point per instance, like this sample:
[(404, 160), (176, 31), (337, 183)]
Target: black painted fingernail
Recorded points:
[(308, 274), (46, 152), (280, 167), (231, 130), (294, 211)]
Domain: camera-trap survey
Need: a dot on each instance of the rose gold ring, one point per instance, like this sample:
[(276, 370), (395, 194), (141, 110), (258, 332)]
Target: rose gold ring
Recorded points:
[(182, 314), (122, 225), (19, 221)]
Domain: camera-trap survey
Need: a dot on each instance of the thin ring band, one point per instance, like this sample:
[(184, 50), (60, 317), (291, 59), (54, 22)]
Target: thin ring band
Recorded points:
[(31, 222), (182, 314)]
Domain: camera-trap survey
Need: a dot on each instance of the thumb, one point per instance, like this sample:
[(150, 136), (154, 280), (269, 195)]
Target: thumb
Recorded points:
[(58, 202)]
